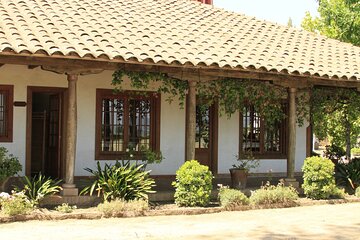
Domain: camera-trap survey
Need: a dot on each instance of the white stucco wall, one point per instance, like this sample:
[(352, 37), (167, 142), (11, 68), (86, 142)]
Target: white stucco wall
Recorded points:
[(172, 130)]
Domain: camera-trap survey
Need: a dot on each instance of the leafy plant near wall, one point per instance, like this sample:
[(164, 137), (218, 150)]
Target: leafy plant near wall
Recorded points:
[(230, 94), (9, 164)]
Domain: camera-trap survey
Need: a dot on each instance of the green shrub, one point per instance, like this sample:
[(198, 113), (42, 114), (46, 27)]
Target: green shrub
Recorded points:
[(16, 204), (65, 208), (38, 187), (319, 181), (9, 165), (193, 184), (122, 180), (348, 174), (357, 192), (119, 208), (231, 199), (274, 196)]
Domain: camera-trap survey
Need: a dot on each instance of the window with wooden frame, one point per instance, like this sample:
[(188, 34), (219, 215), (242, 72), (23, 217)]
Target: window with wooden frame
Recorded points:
[(6, 113), (126, 121), (261, 140)]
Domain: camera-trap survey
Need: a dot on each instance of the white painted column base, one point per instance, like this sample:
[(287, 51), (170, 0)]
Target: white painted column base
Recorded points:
[(292, 182), (69, 190)]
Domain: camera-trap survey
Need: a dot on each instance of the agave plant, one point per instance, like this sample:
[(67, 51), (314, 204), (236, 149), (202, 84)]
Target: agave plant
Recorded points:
[(39, 186), (348, 174), (120, 181)]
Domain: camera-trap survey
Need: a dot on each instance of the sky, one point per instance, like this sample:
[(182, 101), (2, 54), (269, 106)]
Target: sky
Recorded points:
[(277, 11)]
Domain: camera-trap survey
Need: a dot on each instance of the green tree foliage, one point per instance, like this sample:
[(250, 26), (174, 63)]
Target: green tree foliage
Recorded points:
[(339, 19), (290, 22), (336, 113)]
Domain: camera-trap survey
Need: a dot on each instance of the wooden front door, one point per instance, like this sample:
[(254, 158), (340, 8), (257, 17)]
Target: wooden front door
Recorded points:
[(44, 131), (206, 136), (52, 163)]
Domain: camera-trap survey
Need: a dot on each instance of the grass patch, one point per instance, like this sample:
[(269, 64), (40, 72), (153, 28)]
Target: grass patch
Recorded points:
[(270, 196), (122, 208), (65, 208), (232, 199)]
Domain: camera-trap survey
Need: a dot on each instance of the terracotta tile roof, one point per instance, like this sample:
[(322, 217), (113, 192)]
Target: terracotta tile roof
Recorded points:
[(169, 31)]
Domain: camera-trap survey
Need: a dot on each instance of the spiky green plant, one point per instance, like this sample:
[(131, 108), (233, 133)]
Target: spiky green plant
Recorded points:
[(39, 186), (348, 174), (124, 181)]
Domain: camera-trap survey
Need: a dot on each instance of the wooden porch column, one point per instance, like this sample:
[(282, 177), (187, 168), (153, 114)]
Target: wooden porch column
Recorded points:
[(290, 180), (191, 122), (71, 132)]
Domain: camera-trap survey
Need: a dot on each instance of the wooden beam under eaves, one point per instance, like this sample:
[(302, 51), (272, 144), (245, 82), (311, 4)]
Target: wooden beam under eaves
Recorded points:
[(73, 65)]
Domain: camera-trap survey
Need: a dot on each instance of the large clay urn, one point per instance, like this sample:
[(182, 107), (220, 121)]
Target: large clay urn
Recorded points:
[(238, 178)]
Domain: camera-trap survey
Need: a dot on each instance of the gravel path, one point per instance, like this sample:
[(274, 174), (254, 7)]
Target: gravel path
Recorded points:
[(313, 222)]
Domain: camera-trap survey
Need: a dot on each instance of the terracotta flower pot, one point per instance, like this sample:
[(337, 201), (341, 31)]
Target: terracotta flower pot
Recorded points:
[(238, 178)]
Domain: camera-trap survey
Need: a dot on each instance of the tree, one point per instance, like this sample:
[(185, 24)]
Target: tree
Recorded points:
[(290, 22), (339, 19), (336, 112)]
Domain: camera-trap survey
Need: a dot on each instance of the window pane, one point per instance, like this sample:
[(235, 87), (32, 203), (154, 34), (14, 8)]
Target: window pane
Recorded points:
[(112, 125), (251, 130), (139, 124), (3, 113), (202, 127), (272, 139)]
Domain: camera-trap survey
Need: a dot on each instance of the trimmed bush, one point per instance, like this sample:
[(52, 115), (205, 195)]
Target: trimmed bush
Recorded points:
[(119, 208), (319, 180), (193, 184), (274, 196), (121, 181), (15, 204), (231, 199)]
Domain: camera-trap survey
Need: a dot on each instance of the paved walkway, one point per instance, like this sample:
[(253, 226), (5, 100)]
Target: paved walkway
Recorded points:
[(315, 222)]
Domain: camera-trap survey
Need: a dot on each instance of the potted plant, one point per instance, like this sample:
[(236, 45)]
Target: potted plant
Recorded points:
[(9, 166), (240, 171)]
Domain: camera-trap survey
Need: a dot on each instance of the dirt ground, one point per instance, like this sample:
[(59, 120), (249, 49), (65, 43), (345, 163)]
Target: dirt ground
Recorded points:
[(312, 222)]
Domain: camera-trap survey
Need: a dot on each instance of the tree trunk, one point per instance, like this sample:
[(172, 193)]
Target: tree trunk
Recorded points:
[(348, 137)]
